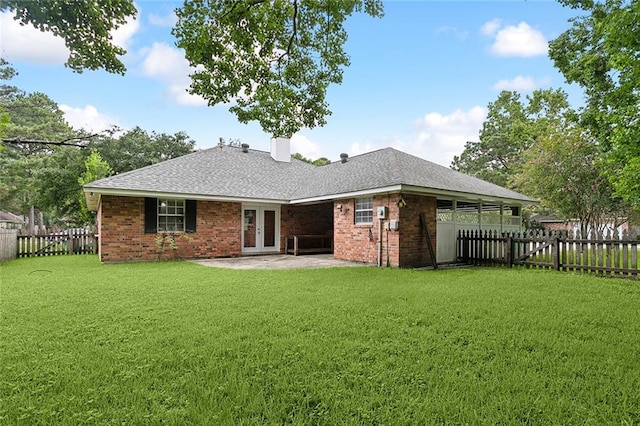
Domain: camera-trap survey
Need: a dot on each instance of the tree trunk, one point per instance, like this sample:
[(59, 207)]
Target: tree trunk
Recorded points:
[(41, 228), (32, 220)]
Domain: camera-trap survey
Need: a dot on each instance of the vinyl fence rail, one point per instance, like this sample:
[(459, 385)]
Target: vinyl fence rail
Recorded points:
[(8, 244), (57, 244), (607, 255)]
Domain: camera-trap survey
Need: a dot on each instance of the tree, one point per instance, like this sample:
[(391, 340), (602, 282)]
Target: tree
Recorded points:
[(600, 52), (137, 148), (273, 60), (32, 116), (7, 91), (85, 26), (95, 168), (563, 168), (56, 186), (322, 161), (510, 129)]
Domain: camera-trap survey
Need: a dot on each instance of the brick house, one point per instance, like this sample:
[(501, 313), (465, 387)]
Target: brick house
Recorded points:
[(377, 207)]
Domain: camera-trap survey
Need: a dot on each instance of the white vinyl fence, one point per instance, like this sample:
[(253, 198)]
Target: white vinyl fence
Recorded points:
[(8, 244)]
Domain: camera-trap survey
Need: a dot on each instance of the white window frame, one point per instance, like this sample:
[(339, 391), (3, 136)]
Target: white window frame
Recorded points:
[(171, 215), (363, 207)]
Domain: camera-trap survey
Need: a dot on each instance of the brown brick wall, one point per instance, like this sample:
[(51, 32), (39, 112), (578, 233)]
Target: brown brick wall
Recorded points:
[(218, 230), (403, 248), (122, 237), (413, 246)]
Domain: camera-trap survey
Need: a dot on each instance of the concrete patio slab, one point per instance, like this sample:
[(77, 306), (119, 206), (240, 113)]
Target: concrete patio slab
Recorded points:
[(278, 261)]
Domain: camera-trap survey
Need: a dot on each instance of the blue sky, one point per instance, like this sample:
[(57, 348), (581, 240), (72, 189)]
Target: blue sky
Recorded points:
[(420, 77)]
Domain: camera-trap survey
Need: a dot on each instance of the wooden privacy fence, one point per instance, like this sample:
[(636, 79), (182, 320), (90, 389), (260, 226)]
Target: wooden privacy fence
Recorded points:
[(8, 244), (552, 250), (57, 244)]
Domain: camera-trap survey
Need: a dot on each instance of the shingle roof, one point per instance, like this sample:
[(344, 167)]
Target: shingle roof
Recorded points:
[(229, 172), (389, 167), (215, 172)]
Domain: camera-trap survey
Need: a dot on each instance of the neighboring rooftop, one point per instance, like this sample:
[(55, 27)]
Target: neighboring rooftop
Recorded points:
[(229, 172), (10, 217)]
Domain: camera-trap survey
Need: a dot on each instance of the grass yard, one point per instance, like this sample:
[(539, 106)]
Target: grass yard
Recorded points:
[(179, 343)]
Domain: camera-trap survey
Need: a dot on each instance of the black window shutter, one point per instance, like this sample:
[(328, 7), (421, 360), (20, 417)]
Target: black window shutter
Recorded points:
[(150, 215), (190, 215)]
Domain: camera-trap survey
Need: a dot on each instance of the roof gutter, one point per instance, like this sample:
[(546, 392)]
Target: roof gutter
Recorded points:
[(410, 189), (362, 193), (468, 196), (93, 195)]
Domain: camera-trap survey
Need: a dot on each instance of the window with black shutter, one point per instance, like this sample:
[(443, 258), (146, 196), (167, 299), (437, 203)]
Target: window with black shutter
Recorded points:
[(150, 215), (169, 215)]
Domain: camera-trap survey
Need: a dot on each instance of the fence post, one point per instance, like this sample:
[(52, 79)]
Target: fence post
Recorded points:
[(508, 253), (555, 253)]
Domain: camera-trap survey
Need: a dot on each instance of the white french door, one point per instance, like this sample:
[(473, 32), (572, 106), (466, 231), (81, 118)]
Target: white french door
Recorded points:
[(260, 229)]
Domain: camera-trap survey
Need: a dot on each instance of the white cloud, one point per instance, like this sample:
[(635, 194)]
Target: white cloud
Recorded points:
[(490, 28), (521, 84), (520, 40), (457, 32), (436, 137), (303, 145), (440, 137), (88, 118), (123, 35), (168, 65), (358, 148), (168, 20), (26, 43)]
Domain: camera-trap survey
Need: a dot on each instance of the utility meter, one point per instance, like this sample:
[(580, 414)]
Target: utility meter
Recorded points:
[(382, 212)]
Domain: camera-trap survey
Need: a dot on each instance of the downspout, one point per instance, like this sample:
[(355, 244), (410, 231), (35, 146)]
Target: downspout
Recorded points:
[(380, 243)]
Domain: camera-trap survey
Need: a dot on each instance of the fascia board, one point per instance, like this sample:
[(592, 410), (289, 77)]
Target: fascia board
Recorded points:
[(465, 196), (135, 193), (353, 194)]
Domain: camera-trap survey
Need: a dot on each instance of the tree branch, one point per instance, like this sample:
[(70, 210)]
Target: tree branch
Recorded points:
[(65, 142), (249, 6), (294, 33)]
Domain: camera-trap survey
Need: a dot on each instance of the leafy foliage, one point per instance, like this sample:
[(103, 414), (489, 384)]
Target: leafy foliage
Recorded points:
[(95, 168), (28, 181), (85, 26), (322, 161), (564, 170), (137, 148), (539, 147), (47, 177), (273, 60), (511, 127), (600, 53), (6, 73)]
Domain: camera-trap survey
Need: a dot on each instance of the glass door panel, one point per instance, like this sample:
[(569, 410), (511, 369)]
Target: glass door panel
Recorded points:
[(250, 228), (269, 229), (260, 229)]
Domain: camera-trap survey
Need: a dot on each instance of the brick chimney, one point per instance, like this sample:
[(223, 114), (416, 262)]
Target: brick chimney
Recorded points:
[(281, 149)]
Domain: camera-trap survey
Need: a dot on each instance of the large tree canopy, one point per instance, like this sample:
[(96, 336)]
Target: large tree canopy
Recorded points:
[(601, 52), (563, 169), (511, 127), (137, 148), (85, 26), (272, 60)]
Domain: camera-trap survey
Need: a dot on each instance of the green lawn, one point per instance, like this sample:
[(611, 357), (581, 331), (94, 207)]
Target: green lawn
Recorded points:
[(178, 343)]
